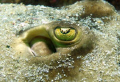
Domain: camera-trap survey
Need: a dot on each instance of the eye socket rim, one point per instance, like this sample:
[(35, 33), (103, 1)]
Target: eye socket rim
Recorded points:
[(59, 43)]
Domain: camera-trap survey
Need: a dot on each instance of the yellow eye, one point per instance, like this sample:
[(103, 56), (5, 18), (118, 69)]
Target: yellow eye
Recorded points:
[(65, 33)]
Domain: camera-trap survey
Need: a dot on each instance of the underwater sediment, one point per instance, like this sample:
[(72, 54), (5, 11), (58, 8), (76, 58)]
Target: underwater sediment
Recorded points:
[(74, 43)]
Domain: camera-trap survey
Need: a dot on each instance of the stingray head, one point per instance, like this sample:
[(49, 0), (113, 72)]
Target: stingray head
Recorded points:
[(53, 42)]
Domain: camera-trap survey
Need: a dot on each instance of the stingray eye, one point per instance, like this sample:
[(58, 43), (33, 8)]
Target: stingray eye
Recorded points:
[(65, 33)]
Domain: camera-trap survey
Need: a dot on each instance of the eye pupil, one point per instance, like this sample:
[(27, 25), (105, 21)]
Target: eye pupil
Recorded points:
[(64, 30)]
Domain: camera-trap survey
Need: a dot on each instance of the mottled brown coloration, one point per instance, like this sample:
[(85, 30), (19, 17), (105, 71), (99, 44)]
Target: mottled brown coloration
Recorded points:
[(92, 8), (82, 47), (90, 57)]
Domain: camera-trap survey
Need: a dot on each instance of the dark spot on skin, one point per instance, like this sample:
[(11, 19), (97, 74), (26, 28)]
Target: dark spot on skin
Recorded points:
[(7, 46), (119, 63)]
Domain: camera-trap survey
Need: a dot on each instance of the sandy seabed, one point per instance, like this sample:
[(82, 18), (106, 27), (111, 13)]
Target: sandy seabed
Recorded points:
[(102, 64)]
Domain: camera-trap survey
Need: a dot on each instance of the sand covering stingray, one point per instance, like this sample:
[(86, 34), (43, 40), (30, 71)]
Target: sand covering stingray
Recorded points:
[(93, 55)]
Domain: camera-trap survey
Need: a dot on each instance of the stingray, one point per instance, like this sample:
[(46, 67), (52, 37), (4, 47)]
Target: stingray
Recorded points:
[(73, 43)]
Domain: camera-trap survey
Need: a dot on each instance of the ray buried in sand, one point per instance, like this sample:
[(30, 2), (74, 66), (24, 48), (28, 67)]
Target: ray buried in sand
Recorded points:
[(74, 43)]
